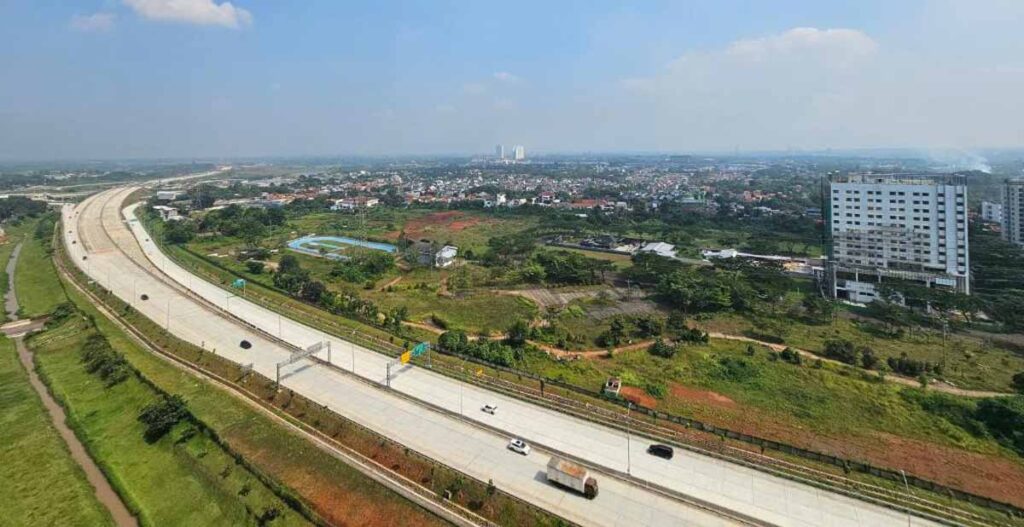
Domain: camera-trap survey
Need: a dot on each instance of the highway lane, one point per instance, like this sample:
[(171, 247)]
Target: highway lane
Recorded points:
[(754, 493), (459, 444)]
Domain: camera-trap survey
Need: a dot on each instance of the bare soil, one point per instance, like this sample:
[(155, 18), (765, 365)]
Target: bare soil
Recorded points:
[(699, 396)]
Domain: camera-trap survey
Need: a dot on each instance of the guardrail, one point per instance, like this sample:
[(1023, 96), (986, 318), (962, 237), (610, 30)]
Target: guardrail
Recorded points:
[(860, 490)]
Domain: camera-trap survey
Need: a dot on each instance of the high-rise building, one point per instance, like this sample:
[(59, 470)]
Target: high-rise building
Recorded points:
[(896, 227), (499, 151), (1013, 211), (518, 153), (991, 212)]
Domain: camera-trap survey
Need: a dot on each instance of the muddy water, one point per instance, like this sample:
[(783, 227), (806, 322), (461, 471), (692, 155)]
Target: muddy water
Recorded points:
[(101, 487)]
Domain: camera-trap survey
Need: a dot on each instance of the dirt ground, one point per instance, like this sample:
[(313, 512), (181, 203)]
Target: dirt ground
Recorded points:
[(987, 475), (448, 221), (701, 396), (638, 396)]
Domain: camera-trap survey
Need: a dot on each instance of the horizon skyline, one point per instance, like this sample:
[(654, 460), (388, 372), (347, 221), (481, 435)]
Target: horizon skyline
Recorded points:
[(156, 79)]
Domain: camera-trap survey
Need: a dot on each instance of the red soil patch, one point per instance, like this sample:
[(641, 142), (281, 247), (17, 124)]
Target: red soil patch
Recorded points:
[(638, 396), (983, 474), (700, 396), (453, 221)]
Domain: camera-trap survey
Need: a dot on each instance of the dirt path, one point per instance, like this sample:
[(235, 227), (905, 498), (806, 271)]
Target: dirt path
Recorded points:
[(906, 381), (105, 494)]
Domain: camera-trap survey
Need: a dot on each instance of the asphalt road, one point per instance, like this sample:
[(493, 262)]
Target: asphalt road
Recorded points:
[(457, 443)]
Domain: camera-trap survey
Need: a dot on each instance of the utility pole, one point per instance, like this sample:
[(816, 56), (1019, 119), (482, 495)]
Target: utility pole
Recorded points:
[(629, 459)]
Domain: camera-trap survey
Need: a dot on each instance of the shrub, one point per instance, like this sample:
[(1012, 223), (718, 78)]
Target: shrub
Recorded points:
[(160, 417), (101, 360), (791, 356), (655, 389), (1018, 382), (661, 349), (254, 266)]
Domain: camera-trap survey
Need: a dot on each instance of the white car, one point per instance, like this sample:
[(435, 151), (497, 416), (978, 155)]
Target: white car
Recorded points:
[(518, 445), (490, 408)]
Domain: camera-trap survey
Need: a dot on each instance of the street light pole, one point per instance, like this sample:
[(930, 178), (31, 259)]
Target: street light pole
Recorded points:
[(629, 459)]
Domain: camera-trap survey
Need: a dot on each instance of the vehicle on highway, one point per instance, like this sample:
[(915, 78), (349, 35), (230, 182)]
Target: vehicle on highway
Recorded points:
[(518, 445), (490, 408), (664, 451), (572, 476), (245, 344)]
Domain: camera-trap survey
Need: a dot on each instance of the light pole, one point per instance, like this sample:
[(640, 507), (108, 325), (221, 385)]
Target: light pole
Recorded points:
[(629, 461)]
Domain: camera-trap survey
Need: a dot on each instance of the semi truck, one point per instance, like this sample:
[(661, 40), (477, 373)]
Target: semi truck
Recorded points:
[(572, 476)]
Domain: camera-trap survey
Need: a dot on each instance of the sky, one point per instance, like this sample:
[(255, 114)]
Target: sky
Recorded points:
[(113, 79)]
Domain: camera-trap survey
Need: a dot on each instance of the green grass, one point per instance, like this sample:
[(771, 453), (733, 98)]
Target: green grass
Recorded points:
[(831, 401), (971, 362), (175, 481), (345, 494), (40, 482), (35, 279)]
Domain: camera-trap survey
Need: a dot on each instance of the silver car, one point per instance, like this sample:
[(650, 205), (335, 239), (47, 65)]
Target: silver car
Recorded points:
[(518, 445)]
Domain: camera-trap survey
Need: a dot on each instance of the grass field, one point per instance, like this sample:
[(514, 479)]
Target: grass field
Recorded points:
[(830, 409), (181, 479), (971, 362), (337, 492), (39, 481), (36, 282)]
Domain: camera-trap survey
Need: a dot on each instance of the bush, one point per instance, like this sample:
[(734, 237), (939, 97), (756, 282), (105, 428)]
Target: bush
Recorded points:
[(254, 266), (101, 360), (1004, 418), (791, 356), (160, 417), (1018, 382), (661, 349), (655, 389)]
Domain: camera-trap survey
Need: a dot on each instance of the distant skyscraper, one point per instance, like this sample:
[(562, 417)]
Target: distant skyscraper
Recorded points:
[(991, 212), (499, 151), (885, 228), (518, 153), (1013, 211)]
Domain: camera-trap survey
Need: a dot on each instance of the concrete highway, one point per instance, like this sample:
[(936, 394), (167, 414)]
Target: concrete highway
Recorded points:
[(119, 255)]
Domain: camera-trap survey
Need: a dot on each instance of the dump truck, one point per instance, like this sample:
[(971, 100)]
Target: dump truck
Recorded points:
[(572, 476)]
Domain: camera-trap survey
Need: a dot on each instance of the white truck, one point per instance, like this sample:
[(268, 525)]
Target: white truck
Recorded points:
[(572, 476)]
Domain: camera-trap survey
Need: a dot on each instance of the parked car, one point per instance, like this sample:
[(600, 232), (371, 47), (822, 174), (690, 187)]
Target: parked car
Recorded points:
[(664, 451), (518, 445), (490, 408)]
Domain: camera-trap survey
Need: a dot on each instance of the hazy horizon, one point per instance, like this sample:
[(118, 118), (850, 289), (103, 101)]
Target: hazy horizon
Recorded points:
[(208, 79)]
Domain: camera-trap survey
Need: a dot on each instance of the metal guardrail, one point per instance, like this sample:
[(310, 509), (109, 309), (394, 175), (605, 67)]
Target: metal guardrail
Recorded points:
[(856, 489)]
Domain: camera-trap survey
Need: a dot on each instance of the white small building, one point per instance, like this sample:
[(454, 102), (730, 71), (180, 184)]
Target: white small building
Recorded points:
[(168, 213), (169, 195), (660, 248), (991, 212), (446, 256), (359, 202)]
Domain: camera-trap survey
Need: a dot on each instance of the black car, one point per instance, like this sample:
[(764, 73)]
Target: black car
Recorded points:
[(664, 451)]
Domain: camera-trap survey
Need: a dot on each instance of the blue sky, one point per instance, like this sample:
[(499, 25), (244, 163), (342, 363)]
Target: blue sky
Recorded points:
[(202, 78)]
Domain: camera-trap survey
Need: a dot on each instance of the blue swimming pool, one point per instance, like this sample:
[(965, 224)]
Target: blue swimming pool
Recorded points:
[(311, 244)]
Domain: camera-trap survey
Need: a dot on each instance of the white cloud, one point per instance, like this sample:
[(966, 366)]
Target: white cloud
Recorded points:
[(96, 22), (200, 12), (505, 76), (835, 44)]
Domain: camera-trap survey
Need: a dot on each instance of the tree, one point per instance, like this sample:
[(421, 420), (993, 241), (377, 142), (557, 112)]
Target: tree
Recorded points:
[(179, 232), (254, 266), (160, 417), (661, 349), (1018, 382), (517, 333)]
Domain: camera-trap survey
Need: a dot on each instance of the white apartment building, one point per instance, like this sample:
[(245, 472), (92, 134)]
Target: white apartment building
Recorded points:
[(518, 153), (991, 212), (499, 151), (1013, 211), (896, 227)]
